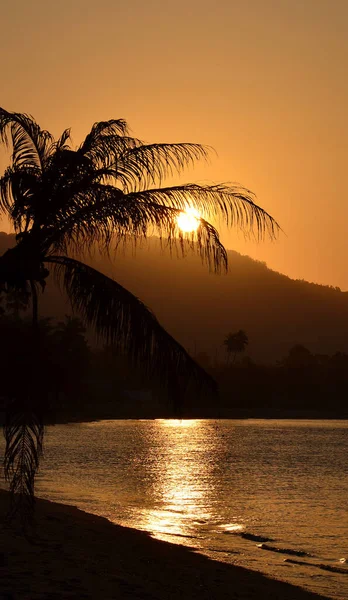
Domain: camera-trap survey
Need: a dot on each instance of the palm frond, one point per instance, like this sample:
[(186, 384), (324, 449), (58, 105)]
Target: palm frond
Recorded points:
[(111, 216), (61, 143), (122, 320), (113, 129), (232, 203), (136, 164), (104, 213), (29, 142), (23, 433), (105, 151), (17, 193), (149, 164), (6, 195)]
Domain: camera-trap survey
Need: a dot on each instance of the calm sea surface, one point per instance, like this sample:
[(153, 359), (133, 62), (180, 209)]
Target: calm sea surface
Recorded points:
[(238, 491)]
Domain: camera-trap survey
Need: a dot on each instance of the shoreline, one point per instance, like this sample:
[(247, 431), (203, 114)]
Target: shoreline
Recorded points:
[(81, 555), (240, 416), (73, 420)]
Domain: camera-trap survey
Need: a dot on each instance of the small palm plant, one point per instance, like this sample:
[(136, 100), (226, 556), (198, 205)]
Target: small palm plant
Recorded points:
[(235, 343), (62, 202)]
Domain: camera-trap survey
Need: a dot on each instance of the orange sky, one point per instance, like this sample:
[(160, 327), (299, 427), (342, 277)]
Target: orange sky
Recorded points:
[(262, 81)]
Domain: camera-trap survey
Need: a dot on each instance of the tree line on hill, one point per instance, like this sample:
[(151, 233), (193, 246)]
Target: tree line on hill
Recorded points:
[(299, 384), (83, 382)]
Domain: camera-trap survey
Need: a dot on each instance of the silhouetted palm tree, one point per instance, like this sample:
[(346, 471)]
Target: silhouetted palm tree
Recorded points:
[(61, 202), (236, 343)]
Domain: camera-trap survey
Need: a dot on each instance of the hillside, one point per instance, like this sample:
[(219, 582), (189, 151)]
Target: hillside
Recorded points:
[(199, 308)]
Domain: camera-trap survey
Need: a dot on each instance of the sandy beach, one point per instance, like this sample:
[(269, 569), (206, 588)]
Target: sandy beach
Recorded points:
[(79, 555)]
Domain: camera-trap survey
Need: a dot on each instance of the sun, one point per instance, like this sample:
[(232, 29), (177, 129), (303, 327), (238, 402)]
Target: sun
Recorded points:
[(188, 220)]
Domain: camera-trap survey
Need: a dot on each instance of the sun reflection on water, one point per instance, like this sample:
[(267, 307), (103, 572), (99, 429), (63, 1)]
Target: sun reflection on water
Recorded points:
[(214, 486), (178, 422), (182, 497)]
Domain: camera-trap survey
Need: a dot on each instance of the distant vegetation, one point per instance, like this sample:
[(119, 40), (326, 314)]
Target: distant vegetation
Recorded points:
[(84, 382), (235, 343), (300, 384), (80, 382)]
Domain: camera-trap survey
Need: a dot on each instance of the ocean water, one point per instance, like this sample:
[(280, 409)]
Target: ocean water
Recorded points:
[(268, 495)]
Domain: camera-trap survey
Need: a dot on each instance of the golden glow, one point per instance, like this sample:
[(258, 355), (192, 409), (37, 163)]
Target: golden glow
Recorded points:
[(178, 422), (231, 527), (183, 502), (188, 220), (177, 104)]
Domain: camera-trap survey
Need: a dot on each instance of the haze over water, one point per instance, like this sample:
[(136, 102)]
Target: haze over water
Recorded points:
[(222, 487)]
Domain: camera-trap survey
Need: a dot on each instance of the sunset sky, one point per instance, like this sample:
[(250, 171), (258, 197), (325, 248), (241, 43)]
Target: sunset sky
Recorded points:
[(262, 81)]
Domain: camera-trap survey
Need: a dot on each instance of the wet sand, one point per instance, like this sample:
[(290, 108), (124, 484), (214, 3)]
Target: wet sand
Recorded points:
[(79, 555)]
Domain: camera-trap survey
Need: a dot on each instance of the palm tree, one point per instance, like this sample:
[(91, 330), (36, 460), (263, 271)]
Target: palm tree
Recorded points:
[(61, 202), (235, 343)]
